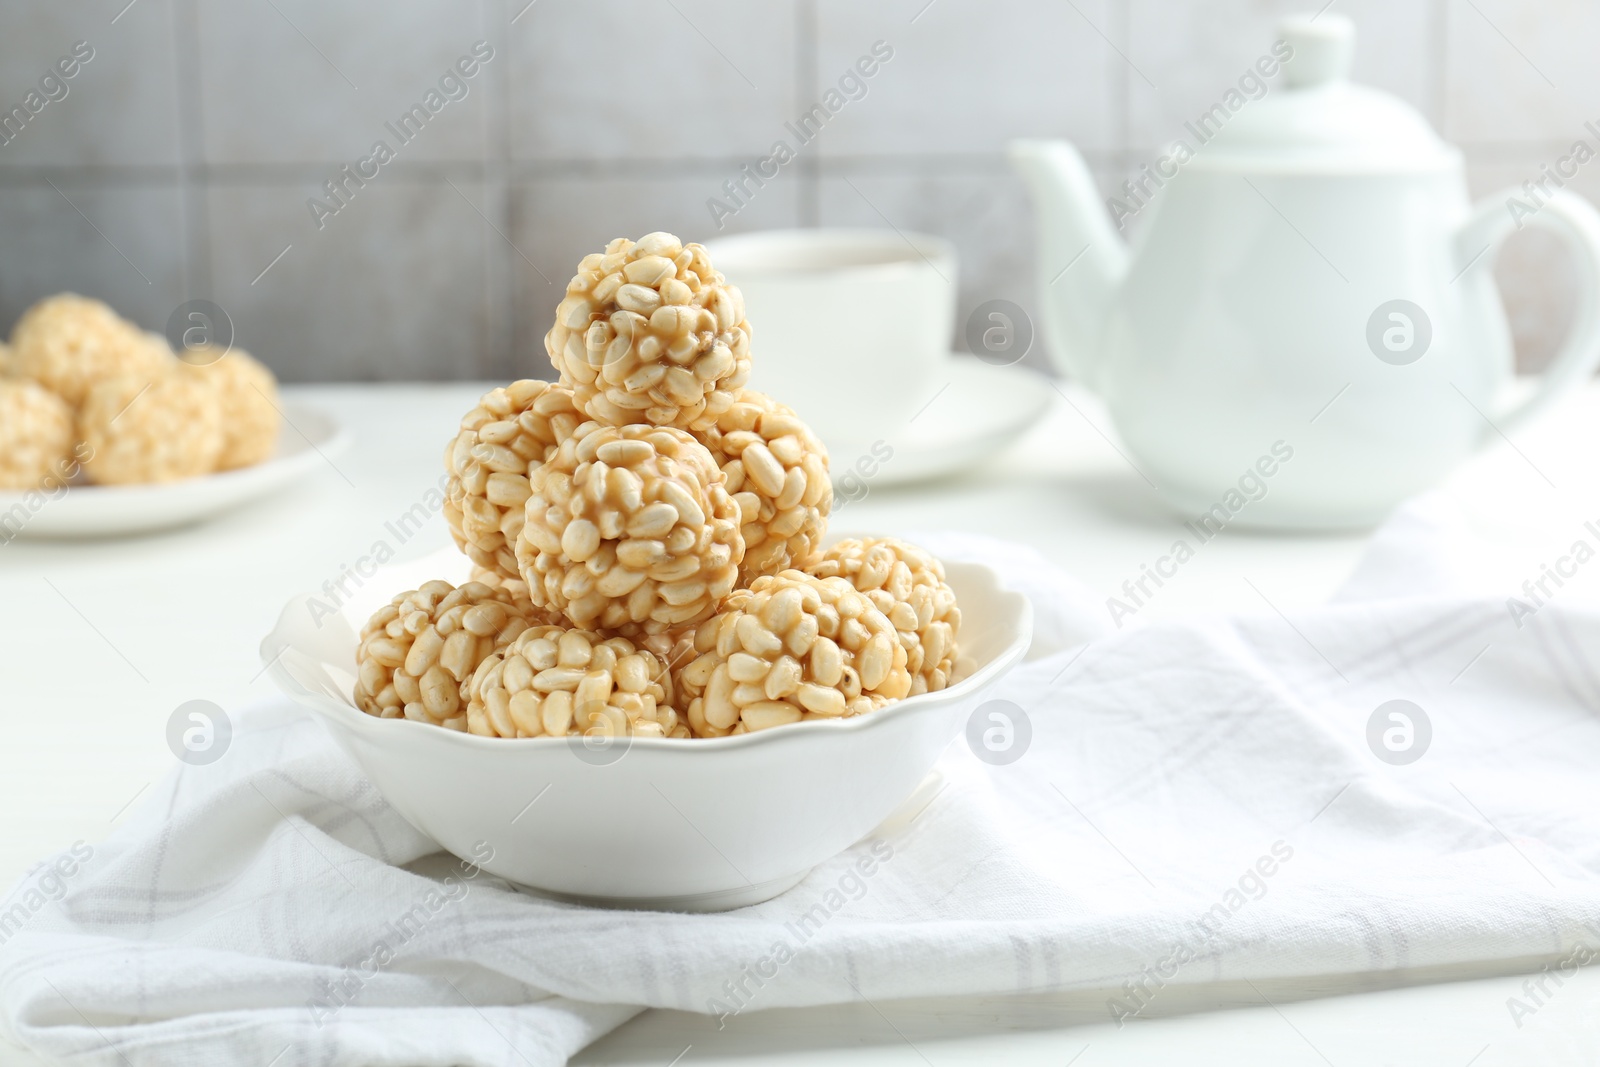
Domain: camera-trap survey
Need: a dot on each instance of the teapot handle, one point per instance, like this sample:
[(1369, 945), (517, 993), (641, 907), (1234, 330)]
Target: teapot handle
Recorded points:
[(1574, 220)]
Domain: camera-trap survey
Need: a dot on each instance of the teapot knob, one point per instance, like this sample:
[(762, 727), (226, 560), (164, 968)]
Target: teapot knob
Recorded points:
[(1323, 45)]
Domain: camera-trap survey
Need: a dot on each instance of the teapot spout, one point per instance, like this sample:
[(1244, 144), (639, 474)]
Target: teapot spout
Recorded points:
[(1081, 259)]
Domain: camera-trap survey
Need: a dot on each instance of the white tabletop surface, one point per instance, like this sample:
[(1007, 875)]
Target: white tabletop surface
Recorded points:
[(103, 640)]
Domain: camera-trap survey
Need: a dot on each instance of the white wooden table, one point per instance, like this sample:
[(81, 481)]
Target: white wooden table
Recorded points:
[(101, 641)]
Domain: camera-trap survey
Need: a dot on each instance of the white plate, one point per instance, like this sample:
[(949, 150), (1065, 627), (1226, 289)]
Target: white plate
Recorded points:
[(685, 825), (973, 411), (308, 440)]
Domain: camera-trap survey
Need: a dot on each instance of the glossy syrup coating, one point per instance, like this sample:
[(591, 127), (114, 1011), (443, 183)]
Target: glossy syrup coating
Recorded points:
[(561, 681), (790, 648), (628, 529), (649, 332), (511, 431), (418, 651), (777, 471), (907, 584)]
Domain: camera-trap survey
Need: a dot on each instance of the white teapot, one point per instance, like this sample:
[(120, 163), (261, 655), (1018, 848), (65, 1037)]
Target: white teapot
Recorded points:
[(1306, 330)]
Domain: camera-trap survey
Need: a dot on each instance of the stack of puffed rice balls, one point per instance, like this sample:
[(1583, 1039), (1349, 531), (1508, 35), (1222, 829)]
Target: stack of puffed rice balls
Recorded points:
[(85, 393), (646, 539)]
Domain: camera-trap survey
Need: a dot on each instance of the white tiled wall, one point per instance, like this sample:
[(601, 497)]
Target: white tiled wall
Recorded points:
[(1183, 56), (181, 160)]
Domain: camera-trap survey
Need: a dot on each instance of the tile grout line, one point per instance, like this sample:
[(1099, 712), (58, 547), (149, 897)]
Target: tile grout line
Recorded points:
[(194, 189), (524, 172), (186, 258), (809, 209), (500, 346), (1122, 86), (496, 348), (1439, 55), (472, 168)]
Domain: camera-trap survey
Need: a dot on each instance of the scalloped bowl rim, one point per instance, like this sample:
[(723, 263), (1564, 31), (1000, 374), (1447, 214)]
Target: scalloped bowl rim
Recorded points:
[(347, 715)]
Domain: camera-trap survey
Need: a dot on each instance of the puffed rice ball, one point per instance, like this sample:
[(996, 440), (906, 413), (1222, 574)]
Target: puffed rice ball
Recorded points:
[(906, 584), (777, 471), (36, 435), (516, 588), (790, 648), (511, 431), (629, 529), (247, 394), (141, 428), (650, 332), (555, 681), (418, 651), (68, 343)]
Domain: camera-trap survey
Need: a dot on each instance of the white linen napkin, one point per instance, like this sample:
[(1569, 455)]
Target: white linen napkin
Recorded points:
[(1199, 801)]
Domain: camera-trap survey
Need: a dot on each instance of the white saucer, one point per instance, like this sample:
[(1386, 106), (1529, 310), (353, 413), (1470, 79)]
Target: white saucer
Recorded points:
[(309, 439), (972, 411)]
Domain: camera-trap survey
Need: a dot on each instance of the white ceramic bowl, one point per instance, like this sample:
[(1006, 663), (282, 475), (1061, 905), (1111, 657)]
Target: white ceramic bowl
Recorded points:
[(701, 825), (309, 440)]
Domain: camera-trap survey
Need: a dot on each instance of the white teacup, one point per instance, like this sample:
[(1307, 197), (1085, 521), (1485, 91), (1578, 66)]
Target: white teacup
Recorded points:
[(848, 327)]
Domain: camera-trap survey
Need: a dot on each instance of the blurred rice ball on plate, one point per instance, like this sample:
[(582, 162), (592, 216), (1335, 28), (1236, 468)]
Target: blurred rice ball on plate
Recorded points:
[(148, 428), (36, 435), (247, 399), (67, 343)]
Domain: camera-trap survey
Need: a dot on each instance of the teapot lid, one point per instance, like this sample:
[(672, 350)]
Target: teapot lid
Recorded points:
[(1312, 118)]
